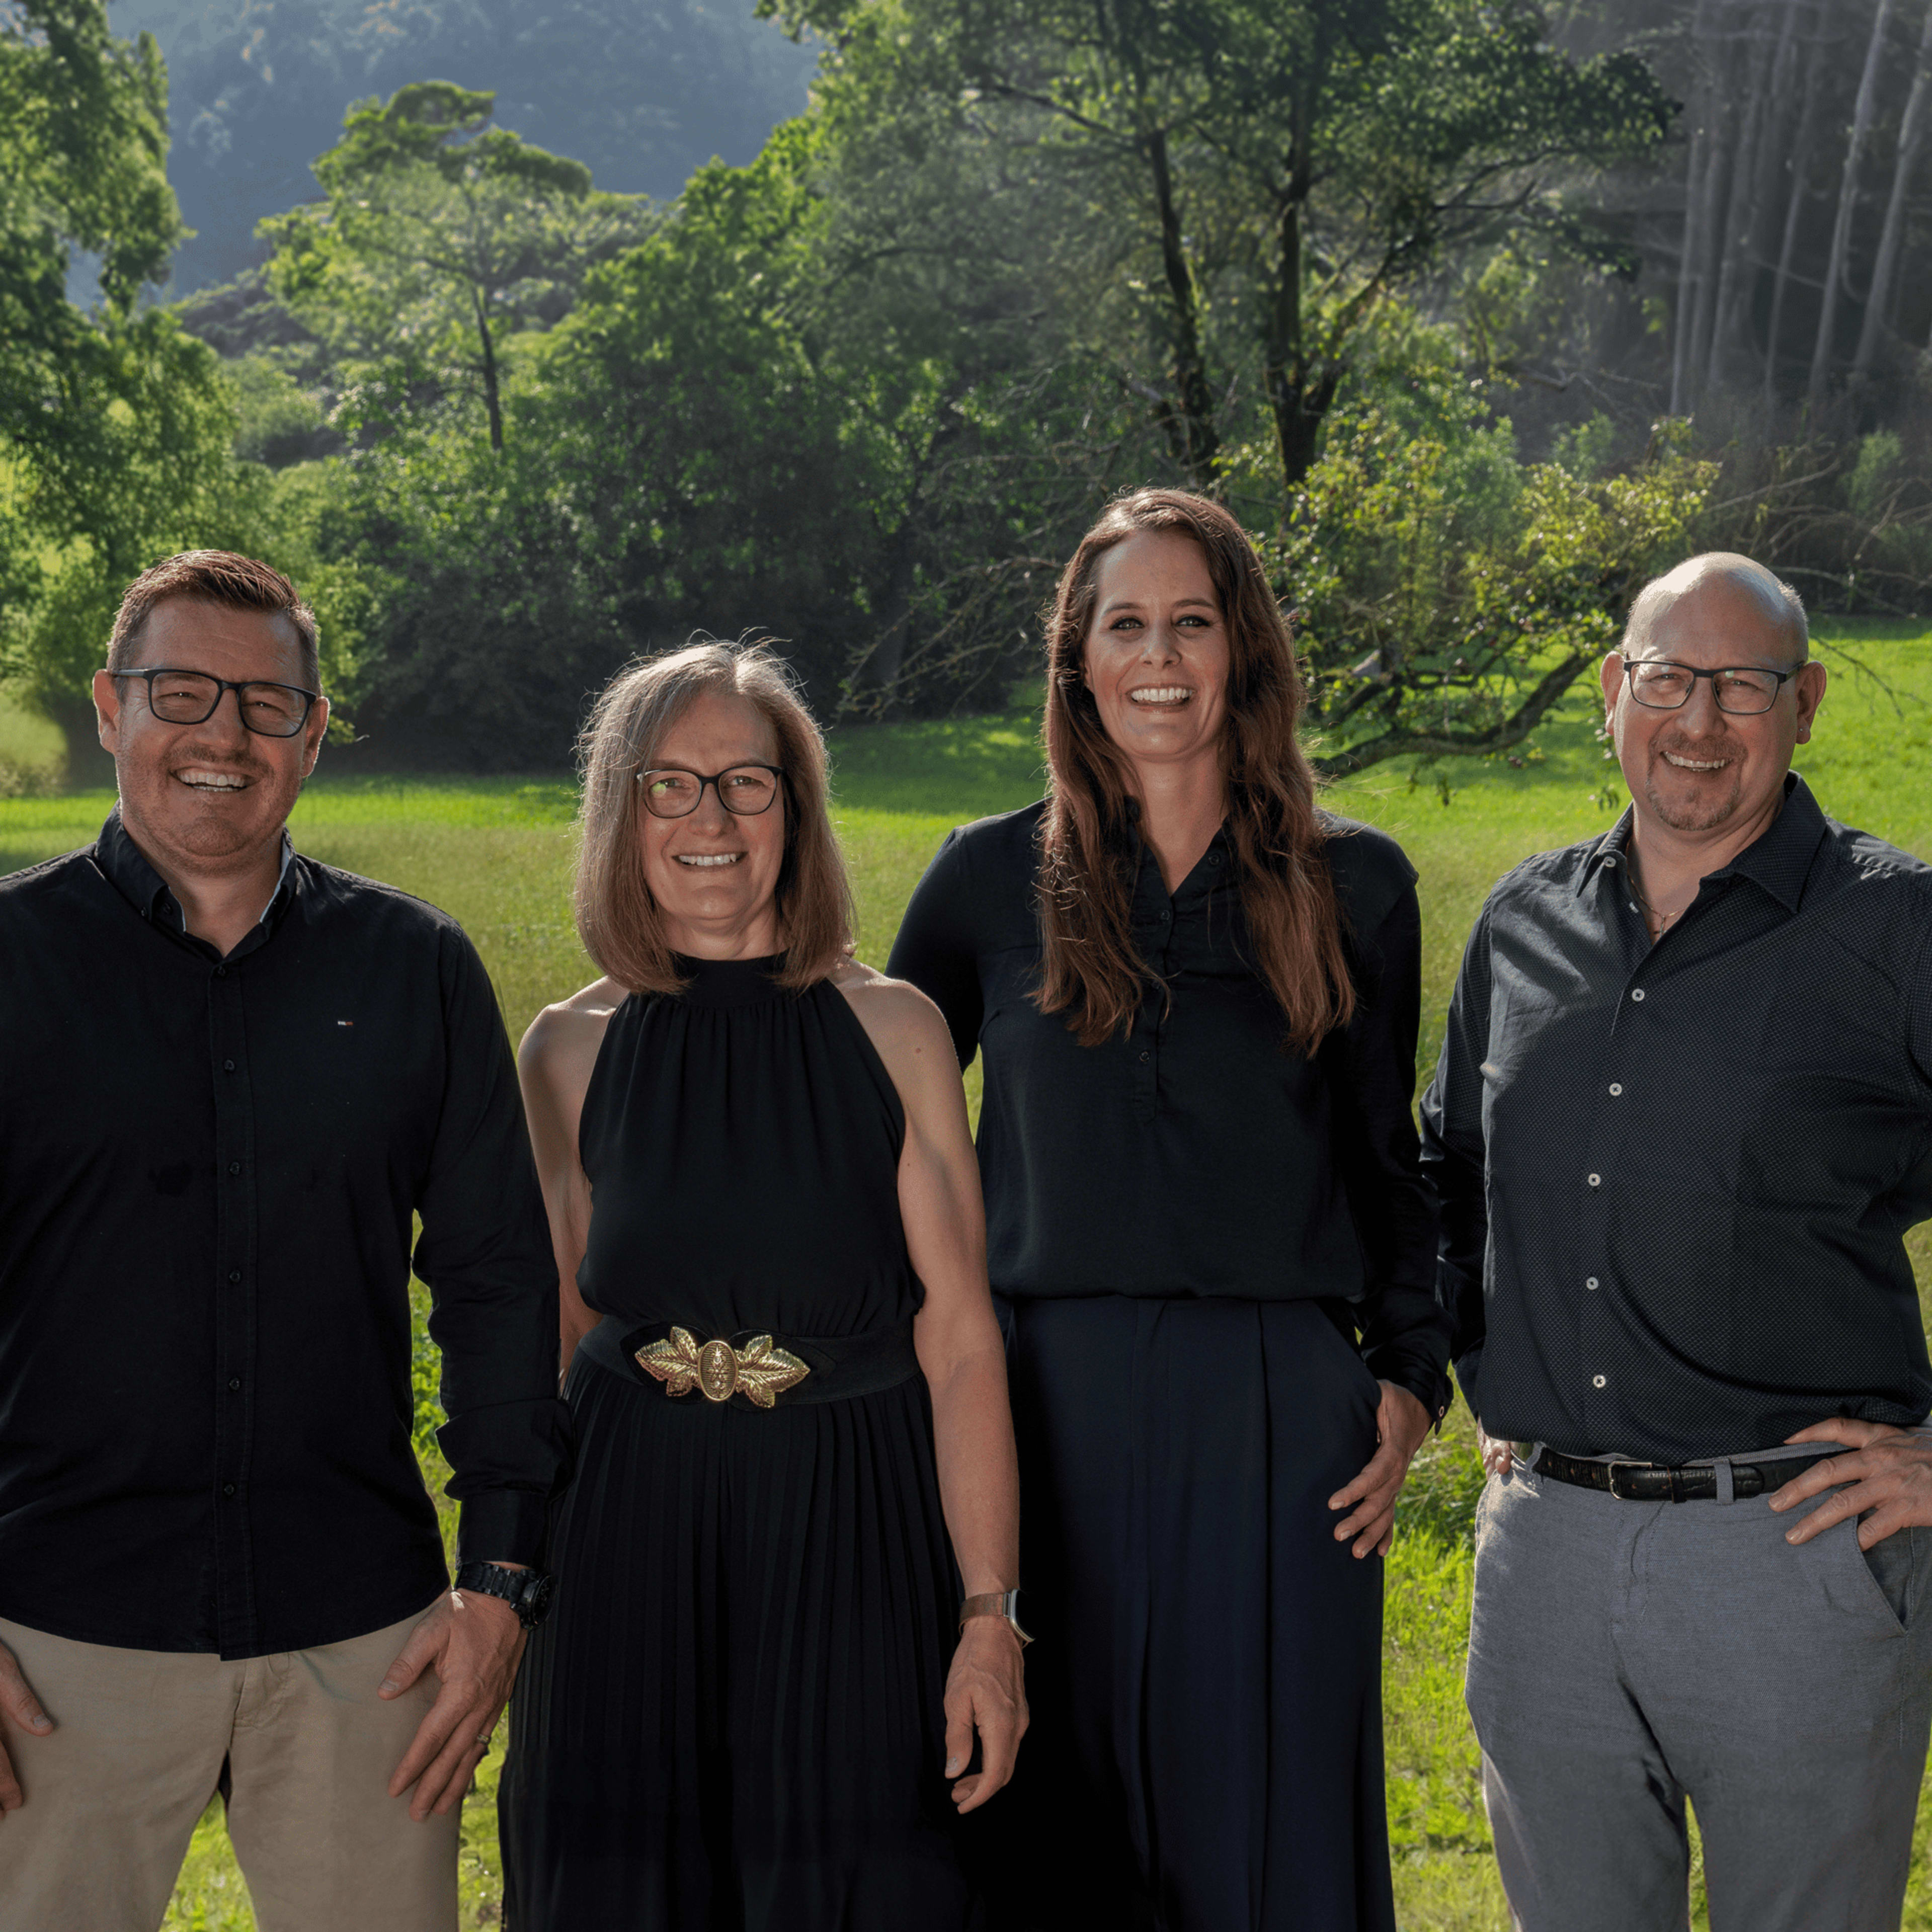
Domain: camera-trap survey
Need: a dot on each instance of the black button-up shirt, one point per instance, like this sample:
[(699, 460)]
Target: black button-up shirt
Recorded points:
[(1675, 1178), (1198, 1154), (208, 1171)]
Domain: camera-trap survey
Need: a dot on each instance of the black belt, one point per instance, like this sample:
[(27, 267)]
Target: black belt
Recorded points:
[(1660, 1483), (841, 1366)]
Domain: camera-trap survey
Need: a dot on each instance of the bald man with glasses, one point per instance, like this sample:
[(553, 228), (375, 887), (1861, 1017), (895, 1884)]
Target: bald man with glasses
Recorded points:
[(1681, 1123)]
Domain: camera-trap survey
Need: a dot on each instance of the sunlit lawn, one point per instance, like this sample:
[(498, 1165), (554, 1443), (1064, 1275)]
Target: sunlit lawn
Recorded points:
[(497, 853)]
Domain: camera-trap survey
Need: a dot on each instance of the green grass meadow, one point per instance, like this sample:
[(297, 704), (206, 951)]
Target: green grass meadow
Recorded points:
[(496, 853)]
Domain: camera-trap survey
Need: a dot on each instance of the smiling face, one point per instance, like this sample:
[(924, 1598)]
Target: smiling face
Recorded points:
[(1702, 770), (1156, 657), (210, 798), (713, 873)]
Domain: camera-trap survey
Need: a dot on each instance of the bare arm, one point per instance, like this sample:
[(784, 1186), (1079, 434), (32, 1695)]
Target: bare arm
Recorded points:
[(554, 1064), (960, 1349)]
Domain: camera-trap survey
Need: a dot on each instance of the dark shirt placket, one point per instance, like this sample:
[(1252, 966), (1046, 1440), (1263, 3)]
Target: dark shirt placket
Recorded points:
[(237, 1205)]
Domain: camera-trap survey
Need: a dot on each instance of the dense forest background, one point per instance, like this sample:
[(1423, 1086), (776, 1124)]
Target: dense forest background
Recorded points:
[(528, 337)]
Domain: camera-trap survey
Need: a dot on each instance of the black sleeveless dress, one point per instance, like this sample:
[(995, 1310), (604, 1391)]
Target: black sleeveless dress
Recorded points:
[(732, 1717)]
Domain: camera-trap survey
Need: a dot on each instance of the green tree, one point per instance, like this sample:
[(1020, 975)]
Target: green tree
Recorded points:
[(440, 235), (1259, 176), (114, 425)]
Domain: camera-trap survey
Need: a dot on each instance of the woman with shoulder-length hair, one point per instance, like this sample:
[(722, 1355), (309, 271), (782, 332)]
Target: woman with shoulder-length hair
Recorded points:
[(759, 1672), (1196, 995)]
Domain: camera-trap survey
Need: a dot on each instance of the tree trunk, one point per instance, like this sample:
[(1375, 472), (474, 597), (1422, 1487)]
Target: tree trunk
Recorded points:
[(1697, 167), (1794, 210), (1197, 442), (1741, 219), (1911, 139), (89, 768), (1298, 397), (492, 399), (1862, 115)]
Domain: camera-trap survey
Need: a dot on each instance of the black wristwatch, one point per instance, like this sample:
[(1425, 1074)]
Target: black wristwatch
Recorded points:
[(526, 1591)]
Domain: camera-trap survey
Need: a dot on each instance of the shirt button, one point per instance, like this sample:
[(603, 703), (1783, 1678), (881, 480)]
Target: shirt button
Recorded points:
[(1596, 1382), (1616, 1087), (1596, 1180), (228, 1066), (235, 1167), (1147, 1056), (234, 1381), (221, 972), (234, 1274), (1636, 992), (228, 1489), (1590, 1281)]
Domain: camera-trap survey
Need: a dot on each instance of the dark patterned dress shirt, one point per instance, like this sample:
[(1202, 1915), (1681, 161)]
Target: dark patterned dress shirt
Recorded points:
[(208, 1170), (1676, 1178)]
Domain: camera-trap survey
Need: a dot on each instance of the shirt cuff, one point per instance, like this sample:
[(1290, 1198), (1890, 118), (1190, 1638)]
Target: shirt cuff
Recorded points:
[(503, 1526), (1428, 1385)]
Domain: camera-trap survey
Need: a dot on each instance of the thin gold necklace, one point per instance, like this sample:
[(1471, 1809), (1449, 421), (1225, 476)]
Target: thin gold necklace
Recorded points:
[(1660, 920)]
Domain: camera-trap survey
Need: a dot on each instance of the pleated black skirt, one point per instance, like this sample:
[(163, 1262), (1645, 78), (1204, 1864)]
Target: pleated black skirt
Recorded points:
[(732, 1720), (1206, 1751)]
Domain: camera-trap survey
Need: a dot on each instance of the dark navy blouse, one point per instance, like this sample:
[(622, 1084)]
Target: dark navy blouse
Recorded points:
[(1198, 1154)]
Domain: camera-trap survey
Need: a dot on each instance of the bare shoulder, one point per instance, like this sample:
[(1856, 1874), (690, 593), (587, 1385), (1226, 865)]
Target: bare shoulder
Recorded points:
[(562, 1042), (907, 1029)]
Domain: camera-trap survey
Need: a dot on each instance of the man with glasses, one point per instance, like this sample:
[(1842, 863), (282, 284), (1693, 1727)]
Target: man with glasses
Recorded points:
[(230, 1079), (1681, 1123)]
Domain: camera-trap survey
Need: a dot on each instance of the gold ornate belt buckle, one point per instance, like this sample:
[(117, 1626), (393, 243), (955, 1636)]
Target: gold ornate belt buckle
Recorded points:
[(759, 1369)]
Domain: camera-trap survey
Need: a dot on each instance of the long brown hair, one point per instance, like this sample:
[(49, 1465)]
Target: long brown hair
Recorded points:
[(616, 917), (1088, 838)]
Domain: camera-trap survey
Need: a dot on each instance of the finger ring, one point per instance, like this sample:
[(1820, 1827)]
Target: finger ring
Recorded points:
[(484, 1739)]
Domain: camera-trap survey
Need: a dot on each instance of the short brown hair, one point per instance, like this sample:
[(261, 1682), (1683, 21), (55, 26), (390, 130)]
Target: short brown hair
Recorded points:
[(616, 917), (1089, 837), (214, 577)]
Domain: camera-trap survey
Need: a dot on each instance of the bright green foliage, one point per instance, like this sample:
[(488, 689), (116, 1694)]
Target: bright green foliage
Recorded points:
[(114, 426), (1447, 596), (440, 236)]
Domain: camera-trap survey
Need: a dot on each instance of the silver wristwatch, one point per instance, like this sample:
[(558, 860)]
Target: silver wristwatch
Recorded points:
[(996, 1604)]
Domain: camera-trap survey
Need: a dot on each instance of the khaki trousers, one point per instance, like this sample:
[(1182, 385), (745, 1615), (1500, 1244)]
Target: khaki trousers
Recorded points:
[(114, 1791)]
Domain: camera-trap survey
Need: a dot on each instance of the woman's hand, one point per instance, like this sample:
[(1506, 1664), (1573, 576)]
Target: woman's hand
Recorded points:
[(1401, 1424), (1498, 1453), (986, 1691)]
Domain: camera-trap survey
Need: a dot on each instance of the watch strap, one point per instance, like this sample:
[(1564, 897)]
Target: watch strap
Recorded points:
[(526, 1591), (996, 1604)]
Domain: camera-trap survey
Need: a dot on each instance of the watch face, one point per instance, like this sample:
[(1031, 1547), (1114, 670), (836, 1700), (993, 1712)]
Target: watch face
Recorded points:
[(536, 1599)]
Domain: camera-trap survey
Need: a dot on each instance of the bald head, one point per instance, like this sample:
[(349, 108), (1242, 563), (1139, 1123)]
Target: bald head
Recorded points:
[(1723, 577)]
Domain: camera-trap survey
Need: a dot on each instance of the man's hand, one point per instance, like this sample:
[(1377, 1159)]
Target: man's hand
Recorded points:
[(1498, 1453), (18, 1702), (474, 1644), (1889, 1471), (1401, 1424), (986, 1690)]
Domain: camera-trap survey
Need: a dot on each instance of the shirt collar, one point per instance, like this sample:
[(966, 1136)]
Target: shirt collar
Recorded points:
[(1779, 859), (126, 869)]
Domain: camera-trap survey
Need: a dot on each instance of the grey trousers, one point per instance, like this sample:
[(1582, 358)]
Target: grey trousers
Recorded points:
[(1625, 1655)]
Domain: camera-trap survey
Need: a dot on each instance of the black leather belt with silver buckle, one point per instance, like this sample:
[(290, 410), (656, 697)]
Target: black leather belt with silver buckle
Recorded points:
[(1662, 1482)]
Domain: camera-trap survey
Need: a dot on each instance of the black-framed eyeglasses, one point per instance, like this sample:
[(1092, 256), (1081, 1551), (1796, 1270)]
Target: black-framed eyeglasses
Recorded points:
[(1743, 690), (189, 697), (672, 792)]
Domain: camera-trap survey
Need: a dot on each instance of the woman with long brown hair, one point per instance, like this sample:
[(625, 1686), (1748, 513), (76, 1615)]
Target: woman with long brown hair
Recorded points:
[(760, 1687), (1197, 997)]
